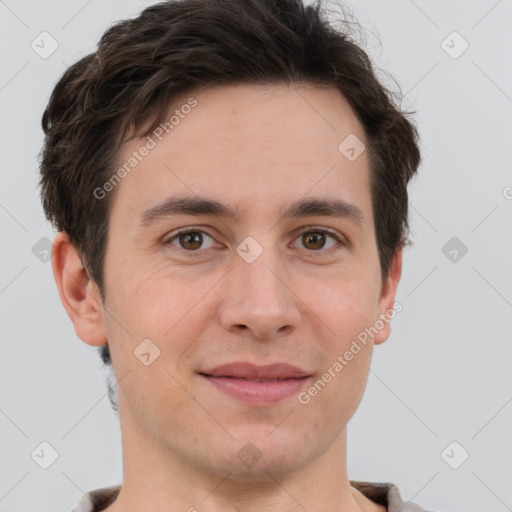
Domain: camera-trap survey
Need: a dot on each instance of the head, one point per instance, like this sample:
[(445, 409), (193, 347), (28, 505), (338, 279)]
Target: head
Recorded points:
[(250, 104)]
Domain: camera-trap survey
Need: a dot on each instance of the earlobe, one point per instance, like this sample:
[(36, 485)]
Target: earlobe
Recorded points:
[(387, 298), (78, 293)]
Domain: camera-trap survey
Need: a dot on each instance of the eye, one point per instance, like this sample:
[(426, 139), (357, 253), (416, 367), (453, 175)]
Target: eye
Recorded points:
[(314, 239), (189, 239)]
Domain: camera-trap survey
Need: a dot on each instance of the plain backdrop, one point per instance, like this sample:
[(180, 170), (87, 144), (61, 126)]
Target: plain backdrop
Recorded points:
[(440, 389)]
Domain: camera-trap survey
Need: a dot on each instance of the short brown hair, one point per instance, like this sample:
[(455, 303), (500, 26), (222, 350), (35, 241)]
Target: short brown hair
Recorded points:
[(126, 86)]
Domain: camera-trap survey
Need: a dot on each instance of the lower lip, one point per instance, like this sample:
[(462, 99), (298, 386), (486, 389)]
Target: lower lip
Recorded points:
[(257, 392)]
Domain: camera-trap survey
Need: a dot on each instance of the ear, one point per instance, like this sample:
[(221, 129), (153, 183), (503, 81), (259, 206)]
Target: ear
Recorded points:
[(78, 293), (387, 298)]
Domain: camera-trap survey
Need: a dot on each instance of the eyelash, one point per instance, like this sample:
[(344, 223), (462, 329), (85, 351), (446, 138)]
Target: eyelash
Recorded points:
[(311, 229)]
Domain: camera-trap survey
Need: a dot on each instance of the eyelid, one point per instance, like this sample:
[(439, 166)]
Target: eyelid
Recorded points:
[(336, 234), (180, 231)]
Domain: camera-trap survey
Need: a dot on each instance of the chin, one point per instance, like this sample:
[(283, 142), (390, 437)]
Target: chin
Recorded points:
[(262, 454)]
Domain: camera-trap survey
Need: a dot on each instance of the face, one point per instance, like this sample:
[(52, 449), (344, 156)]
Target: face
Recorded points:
[(269, 277)]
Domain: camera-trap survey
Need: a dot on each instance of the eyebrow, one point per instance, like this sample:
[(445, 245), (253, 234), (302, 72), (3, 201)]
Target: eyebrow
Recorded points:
[(311, 206)]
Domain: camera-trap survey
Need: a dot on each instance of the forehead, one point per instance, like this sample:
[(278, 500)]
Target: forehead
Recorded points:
[(250, 118), (250, 145)]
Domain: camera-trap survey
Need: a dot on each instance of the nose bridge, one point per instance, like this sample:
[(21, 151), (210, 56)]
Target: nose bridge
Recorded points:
[(261, 275), (259, 298)]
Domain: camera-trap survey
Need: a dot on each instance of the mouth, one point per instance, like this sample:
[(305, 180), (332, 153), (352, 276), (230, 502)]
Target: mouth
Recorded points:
[(249, 380), (257, 385)]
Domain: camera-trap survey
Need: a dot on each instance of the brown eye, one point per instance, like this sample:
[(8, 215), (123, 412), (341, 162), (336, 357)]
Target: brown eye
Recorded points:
[(316, 240), (313, 240), (189, 240)]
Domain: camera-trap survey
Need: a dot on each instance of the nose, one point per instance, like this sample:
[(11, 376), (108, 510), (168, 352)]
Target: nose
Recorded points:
[(259, 300)]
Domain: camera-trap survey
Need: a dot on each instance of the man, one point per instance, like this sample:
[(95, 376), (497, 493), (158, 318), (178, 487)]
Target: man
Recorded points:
[(229, 183)]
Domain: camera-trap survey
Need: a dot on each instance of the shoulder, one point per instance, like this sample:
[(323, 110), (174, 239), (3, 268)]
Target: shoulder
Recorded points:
[(97, 500), (387, 495)]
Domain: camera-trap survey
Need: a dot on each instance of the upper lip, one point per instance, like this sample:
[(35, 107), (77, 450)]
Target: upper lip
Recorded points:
[(246, 370)]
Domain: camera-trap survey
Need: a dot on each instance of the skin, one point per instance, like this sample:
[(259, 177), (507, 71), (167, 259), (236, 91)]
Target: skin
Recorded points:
[(258, 148)]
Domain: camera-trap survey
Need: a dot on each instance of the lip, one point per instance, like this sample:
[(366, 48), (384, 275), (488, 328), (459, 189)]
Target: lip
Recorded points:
[(238, 381), (245, 370)]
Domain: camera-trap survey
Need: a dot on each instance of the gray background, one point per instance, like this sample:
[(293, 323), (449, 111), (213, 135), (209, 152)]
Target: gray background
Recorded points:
[(445, 373)]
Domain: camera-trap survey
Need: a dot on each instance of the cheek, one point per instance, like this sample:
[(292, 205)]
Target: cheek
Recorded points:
[(169, 310), (337, 389), (149, 300), (346, 306)]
